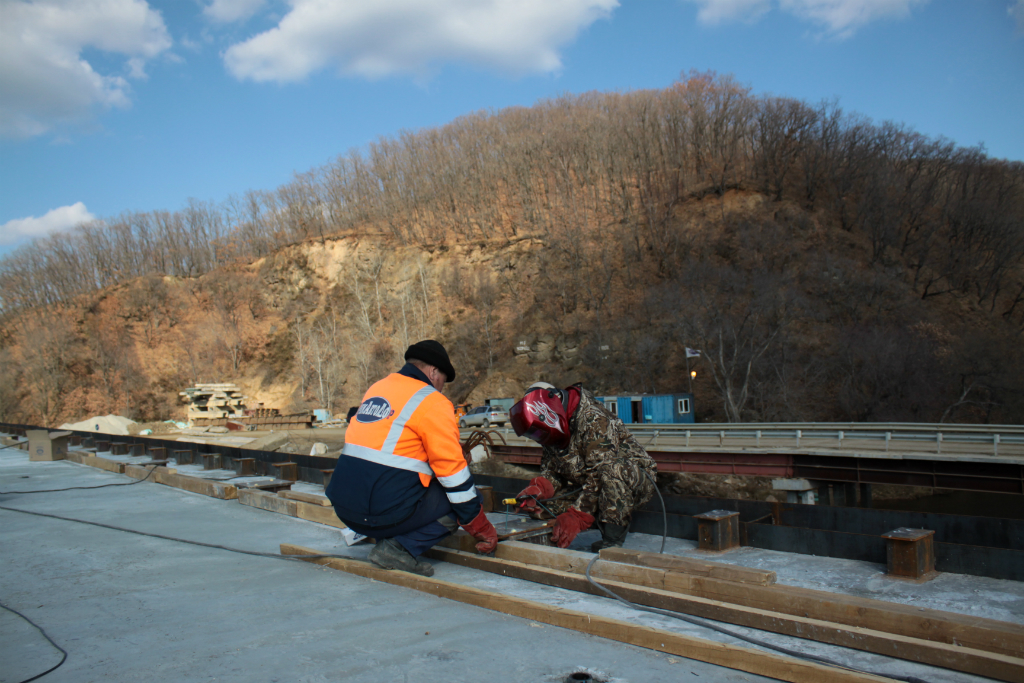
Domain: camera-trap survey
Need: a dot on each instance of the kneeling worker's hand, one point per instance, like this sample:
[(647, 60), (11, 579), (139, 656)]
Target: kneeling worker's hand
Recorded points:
[(539, 487), (482, 530), (568, 525)]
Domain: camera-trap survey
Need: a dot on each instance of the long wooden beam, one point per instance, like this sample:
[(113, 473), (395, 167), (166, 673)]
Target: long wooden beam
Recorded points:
[(170, 477), (876, 615), (967, 660), (291, 506), (716, 570), (740, 658), (84, 458)]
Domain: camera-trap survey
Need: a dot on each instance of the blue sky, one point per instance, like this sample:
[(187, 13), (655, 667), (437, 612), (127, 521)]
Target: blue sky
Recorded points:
[(127, 105)]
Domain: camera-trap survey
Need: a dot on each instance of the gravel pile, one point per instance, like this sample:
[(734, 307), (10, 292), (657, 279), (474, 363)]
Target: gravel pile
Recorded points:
[(106, 424)]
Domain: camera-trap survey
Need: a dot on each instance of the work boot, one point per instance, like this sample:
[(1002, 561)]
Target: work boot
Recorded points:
[(612, 536), (389, 554)]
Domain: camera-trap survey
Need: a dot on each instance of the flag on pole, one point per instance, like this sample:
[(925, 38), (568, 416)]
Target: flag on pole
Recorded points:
[(692, 353)]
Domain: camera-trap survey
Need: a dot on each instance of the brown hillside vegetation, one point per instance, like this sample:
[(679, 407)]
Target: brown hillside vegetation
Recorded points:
[(828, 268)]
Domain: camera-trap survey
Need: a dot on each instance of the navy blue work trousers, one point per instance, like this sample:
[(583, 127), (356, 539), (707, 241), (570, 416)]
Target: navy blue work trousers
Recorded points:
[(421, 530)]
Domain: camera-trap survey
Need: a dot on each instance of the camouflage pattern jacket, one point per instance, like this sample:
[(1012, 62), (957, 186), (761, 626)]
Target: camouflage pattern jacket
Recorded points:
[(605, 460)]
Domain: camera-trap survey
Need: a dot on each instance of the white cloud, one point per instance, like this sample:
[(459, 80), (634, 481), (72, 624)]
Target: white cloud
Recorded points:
[(232, 10), (839, 18), (718, 11), (44, 79), (843, 17), (1016, 12), (383, 37), (64, 218)]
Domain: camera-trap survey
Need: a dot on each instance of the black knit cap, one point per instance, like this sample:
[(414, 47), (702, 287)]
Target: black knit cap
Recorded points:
[(430, 351)]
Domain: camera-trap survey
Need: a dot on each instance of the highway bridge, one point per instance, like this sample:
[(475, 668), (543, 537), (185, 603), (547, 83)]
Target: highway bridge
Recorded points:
[(987, 458)]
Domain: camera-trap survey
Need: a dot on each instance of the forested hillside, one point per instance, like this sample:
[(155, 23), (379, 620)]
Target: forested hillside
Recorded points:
[(828, 267)]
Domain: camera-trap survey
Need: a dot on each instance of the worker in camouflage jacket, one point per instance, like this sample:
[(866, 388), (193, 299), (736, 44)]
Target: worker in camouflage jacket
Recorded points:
[(593, 469)]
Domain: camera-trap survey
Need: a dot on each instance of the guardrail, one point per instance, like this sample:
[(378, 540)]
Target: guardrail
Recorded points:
[(952, 440), (882, 437)]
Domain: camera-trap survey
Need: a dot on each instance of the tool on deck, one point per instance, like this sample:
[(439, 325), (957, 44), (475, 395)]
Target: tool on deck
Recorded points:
[(536, 500), (507, 502), (538, 534)]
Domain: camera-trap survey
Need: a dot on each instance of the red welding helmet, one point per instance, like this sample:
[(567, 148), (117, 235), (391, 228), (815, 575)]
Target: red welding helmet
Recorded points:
[(541, 416)]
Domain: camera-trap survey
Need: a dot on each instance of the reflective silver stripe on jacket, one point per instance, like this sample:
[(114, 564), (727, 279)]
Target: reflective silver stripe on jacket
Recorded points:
[(399, 424), (386, 455), (387, 459), (462, 496), (454, 480)]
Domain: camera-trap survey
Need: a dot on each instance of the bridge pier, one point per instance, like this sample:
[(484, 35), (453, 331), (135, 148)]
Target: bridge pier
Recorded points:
[(797, 490), (832, 493)]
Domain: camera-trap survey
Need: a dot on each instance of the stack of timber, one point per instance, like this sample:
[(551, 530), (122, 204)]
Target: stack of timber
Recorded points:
[(290, 421), (213, 402), (223, 405), (260, 411)]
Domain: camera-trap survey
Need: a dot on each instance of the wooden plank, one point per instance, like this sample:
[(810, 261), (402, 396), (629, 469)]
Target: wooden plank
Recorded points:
[(317, 513), (967, 660), (717, 570), (94, 461), (569, 561), (206, 487), (877, 615), (311, 512), (915, 622), (266, 501), (731, 656), (315, 498)]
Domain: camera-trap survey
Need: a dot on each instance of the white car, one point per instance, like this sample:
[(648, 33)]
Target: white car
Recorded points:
[(483, 416)]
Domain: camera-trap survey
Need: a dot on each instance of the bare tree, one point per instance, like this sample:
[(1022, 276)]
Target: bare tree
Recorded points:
[(734, 319), (48, 350)]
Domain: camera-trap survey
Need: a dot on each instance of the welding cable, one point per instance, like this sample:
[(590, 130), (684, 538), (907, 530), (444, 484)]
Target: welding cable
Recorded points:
[(278, 556), (706, 624), (548, 500), (85, 488), (45, 635), (564, 494), (544, 507), (664, 513)]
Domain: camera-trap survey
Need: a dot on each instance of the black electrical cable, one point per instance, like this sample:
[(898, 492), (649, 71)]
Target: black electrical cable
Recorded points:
[(278, 556), (13, 445), (755, 641), (45, 635), (84, 488), (294, 558), (302, 558), (563, 494), (714, 627), (664, 513)]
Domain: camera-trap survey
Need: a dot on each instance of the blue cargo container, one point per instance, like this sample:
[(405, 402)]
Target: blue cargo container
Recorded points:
[(651, 409)]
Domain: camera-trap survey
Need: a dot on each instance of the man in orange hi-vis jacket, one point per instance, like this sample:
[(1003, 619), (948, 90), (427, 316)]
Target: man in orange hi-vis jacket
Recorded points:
[(401, 478)]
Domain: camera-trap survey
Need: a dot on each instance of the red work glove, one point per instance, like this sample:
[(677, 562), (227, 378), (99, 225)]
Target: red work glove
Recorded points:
[(568, 525), (482, 530), (539, 487)]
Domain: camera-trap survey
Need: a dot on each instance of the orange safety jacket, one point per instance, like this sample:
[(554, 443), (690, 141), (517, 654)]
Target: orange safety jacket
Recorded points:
[(403, 435)]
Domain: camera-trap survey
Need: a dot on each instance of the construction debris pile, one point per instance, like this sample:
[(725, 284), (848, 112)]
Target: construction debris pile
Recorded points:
[(208, 402), (223, 405)]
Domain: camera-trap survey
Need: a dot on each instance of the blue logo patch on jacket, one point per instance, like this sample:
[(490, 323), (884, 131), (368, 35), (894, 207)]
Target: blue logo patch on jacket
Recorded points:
[(374, 409)]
